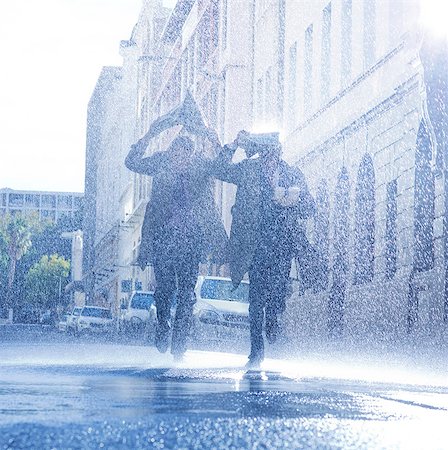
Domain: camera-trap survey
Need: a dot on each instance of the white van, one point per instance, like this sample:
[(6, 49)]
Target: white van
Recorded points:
[(72, 319), (139, 312), (94, 319), (219, 304)]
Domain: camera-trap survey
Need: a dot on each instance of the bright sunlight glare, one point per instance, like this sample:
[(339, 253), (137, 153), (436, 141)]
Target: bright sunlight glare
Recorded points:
[(433, 15)]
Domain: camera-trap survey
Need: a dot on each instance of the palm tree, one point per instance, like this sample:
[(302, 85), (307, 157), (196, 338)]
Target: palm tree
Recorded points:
[(17, 231)]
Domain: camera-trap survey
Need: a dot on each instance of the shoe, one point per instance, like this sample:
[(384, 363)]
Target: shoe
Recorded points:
[(254, 362), (272, 331), (162, 338)]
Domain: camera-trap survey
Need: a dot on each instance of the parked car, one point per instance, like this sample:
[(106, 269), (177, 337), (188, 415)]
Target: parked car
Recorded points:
[(62, 324), (219, 305), (48, 318), (72, 318), (139, 312), (94, 319)]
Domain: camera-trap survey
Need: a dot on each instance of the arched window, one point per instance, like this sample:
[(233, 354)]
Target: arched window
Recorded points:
[(322, 226), (423, 202), (341, 209), (391, 229), (364, 245), (340, 262)]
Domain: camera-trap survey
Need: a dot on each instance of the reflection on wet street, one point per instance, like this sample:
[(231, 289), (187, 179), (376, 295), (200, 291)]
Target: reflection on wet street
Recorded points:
[(61, 396)]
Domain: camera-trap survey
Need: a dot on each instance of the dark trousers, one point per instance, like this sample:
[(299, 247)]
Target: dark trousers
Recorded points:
[(176, 274), (269, 278)]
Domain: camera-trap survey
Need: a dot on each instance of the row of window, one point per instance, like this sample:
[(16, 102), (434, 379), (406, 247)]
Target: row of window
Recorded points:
[(364, 215), (43, 214), (16, 200), (364, 226), (329, 80)]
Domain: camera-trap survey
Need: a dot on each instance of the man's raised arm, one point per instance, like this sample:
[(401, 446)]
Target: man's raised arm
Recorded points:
[(222, 167), (149, 165)]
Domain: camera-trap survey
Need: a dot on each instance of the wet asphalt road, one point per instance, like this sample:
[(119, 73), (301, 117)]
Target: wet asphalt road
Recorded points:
[(95, 395)]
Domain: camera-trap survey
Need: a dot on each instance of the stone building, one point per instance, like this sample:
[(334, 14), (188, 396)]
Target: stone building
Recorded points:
[(357, 90)]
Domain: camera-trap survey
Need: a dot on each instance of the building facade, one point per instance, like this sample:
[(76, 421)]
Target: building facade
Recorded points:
[(47, 206), (357, 89)]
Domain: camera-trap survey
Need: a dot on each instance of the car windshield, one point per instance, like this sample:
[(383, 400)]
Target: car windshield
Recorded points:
[(97, 312), (142, 300), (223, 290)]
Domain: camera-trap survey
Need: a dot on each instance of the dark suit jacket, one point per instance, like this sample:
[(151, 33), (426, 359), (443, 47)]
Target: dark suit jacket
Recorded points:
[(161, 207), (247, 212)]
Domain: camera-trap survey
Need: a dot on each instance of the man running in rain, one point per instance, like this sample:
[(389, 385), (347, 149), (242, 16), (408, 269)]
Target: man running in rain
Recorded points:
[(271, 199), (181, 227)]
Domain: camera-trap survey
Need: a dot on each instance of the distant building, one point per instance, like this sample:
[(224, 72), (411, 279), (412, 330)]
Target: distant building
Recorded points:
[(100, 225), (47, 206), (114, 196)]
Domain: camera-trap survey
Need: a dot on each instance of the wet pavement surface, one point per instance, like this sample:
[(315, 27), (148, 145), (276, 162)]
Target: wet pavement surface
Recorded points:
[(92, 395)]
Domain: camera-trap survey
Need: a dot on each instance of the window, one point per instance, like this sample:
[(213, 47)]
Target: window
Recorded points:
[(292, 83), (369, 33), (224, 24), (32, 200), (15, 200), (208, 33), (364, 247), (91, 311), (126, 285), (48, 201), (341, 214), (346, 43), (77, 202), (340, 263), (3, 200), (308, 71), (259, 111), (213, 289), (191, 62), (391, 229), (321, 225), (142, 300), (269, 101), (423, 202), (65, 201), (326, 53), (214, 23)]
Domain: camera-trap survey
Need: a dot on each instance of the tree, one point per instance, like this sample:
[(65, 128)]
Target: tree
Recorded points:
[(16, 231), (46, 240), (45, 281)]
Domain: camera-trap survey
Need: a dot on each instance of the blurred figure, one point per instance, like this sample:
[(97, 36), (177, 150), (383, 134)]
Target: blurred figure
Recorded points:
[(266, 233), (180, 229)]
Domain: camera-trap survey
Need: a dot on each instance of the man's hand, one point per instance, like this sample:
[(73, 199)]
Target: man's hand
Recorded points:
[(233, 145)]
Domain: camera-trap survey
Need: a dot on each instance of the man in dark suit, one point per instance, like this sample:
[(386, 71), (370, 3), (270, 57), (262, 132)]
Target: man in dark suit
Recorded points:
[(271, 199), (181, 228)]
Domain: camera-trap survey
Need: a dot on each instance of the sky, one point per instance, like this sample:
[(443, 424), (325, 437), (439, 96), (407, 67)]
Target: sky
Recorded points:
[(52, 52)]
